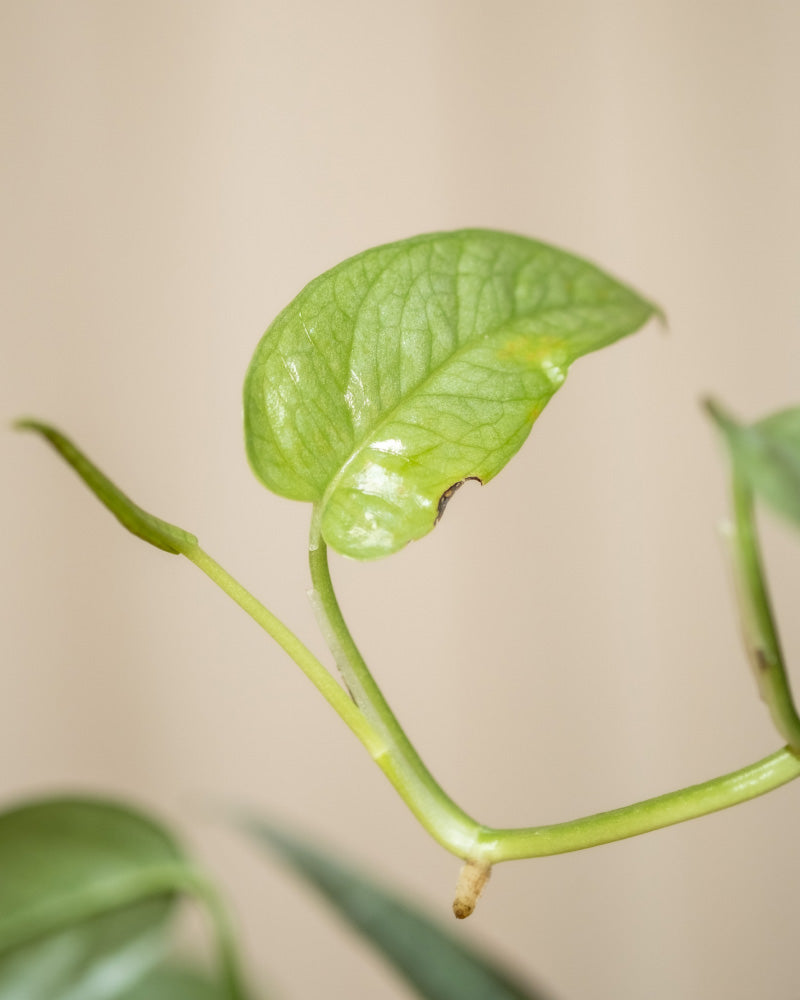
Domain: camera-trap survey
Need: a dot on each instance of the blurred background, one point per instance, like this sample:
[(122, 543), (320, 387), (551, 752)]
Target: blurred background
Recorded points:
[(565, 642)]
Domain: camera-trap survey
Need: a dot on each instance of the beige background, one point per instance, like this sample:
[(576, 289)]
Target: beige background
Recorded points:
[(174, 172)]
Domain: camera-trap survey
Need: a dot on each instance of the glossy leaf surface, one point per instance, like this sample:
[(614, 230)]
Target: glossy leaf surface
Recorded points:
[(151, 529), (413, 366), (87, 891), (767, 455), (435, 963)]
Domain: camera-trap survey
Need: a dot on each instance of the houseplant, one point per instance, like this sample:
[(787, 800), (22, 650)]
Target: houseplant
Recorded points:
[(386, 384)]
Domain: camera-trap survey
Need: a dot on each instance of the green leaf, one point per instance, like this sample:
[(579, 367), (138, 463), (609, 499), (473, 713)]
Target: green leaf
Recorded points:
[(767, 455), (175, 982), (434, 962), (86, 892), (414, 366), (95, 959), (146, 526)]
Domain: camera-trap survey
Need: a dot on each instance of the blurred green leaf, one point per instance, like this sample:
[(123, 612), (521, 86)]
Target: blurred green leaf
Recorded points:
[(86, 892), (152, 529), (176, 982), (767, 455), (93, 959), (435, 963), (411, 367)]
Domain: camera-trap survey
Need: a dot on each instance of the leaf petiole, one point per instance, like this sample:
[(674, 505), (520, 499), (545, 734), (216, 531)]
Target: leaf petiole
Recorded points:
[(366, 713), (438, 814), (401, 763), (765, 462), (755, 609), (487, 845), (319, 676)]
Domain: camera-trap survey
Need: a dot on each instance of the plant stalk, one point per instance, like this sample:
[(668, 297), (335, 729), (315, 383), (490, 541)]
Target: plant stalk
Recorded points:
[(319, 676), (372, 721), (643, 817), (401, 763), (755, 611)]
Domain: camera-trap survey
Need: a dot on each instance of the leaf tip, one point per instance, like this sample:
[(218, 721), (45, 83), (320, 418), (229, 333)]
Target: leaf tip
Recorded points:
[(719, 415), (161, 534), (660, 317), (25, 424)]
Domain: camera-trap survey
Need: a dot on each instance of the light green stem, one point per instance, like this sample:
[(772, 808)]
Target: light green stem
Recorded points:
[(401, 763), (386, 744), (322, 680), (369, 717), (758, 624), (642, 817), (372, 721)]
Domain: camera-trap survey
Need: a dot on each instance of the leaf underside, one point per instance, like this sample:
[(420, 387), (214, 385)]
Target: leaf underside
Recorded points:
[(767, 455), (416, 365)]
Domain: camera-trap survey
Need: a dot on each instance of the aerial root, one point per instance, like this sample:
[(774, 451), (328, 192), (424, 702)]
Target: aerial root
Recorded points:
[(473, 877)]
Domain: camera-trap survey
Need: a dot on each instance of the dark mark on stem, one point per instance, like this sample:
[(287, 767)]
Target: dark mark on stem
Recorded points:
[(762, 661)]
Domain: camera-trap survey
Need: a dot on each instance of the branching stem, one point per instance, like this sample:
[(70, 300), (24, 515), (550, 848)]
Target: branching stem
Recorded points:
[(369, 717)]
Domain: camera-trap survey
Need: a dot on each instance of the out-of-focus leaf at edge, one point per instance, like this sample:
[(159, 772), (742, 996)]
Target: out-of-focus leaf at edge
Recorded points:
[(163, 535), (767, 454), (412, 366), (176, 982), (81, 915), (436, 964), (94, 959)]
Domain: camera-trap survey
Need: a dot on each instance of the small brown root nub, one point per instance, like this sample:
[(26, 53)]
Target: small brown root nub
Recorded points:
[(473, 877)]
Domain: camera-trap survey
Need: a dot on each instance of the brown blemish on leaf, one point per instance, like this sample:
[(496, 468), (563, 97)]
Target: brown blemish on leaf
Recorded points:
[(445, 498)]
